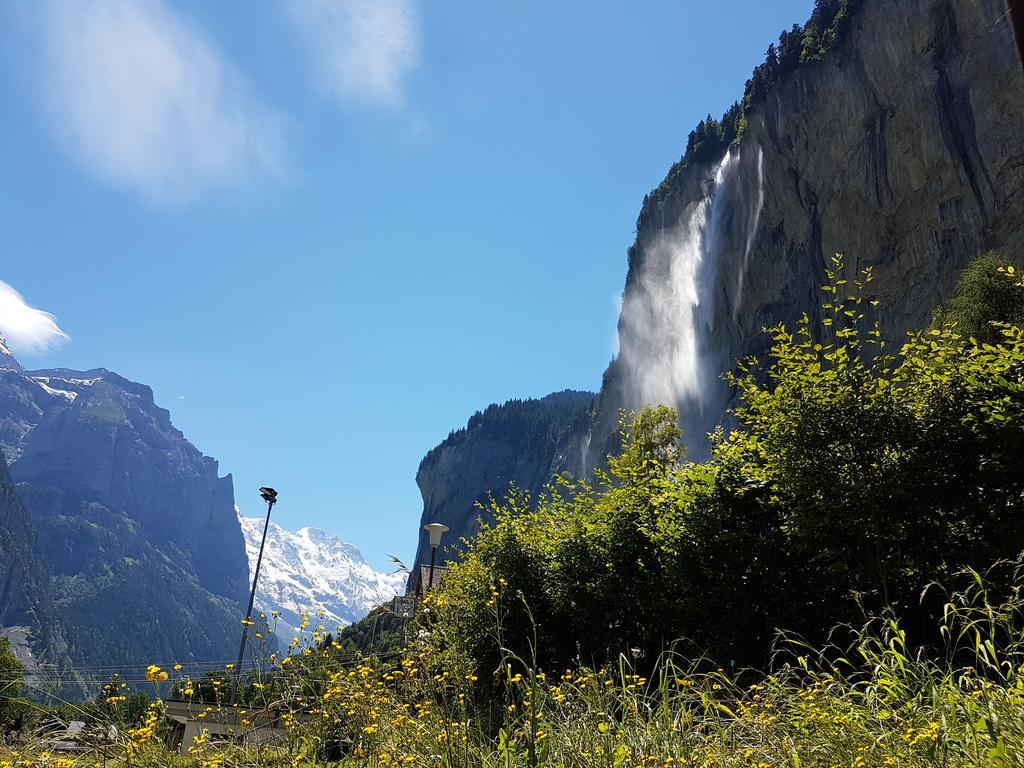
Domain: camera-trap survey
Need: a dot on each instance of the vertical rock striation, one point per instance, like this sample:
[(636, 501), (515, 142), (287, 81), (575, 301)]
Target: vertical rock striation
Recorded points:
[(901, 149)]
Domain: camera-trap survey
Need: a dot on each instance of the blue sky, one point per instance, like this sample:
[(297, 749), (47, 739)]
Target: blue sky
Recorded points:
[(327, 231)]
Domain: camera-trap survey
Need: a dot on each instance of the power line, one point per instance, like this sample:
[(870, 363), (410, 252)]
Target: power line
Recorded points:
[(66, 677), (135, 664), (164, 665)]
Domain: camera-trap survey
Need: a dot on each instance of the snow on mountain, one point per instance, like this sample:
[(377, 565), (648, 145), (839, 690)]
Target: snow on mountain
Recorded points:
[(313, 572), (7, 358)]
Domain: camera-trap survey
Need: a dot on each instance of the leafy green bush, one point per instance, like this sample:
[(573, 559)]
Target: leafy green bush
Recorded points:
[(379, 632), (985, 296), (12, 680), (854, 477)]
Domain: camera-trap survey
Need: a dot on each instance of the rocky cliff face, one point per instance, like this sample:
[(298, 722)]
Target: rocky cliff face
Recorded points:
[(135, 524), (524, 442), (902, 150)]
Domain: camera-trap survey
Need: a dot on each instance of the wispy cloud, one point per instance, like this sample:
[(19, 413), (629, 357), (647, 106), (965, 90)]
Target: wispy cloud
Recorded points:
[(26, 328), (363, 48), (142, 100)]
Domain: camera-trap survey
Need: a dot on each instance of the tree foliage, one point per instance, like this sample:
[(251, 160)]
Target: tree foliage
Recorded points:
[(12, 672), (853, 478), (379, 632), (986, 295), (824, 30), (12, 681)]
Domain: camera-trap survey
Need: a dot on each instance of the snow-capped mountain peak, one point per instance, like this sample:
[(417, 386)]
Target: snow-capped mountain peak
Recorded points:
[(7, 358), (313, 572)]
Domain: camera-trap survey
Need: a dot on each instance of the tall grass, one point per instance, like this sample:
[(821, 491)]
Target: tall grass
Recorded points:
[(874, 699)]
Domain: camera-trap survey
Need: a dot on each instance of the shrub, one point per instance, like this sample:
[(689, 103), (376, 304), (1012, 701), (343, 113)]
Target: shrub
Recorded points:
[(853, 478)]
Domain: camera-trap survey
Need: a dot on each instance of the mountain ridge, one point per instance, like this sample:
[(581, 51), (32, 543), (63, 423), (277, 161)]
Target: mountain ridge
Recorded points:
[(523, 441), (7, 358), (134, 525), (312, 572)]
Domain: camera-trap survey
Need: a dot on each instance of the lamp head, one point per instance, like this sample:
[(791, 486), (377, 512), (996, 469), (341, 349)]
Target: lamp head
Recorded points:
[(269, 495), (436, 531)]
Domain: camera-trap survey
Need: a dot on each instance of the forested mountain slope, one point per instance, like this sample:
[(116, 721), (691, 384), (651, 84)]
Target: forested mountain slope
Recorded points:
[(133, 523)]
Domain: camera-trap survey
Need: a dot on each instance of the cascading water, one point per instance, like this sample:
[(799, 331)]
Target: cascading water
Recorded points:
[(668, 323)]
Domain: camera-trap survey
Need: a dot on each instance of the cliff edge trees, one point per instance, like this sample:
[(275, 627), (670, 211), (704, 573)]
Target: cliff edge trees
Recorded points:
[(824, 30)]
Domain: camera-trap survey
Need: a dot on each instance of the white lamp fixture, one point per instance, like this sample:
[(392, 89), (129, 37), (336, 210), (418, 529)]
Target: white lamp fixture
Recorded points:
[(436, 531)]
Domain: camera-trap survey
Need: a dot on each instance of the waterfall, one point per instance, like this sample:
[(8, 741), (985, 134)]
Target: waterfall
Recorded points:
[(584, 467), (668, 322)]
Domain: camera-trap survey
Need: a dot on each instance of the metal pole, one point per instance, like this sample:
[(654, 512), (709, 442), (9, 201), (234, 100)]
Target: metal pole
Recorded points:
[(252, 598), (433, 555)]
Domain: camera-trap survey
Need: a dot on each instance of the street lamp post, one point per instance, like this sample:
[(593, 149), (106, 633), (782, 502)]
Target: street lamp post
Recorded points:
[(270, 496), (436, 531)]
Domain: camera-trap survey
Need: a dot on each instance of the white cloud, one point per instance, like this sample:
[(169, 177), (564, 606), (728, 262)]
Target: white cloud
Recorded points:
[(363, 48), (26, 328), (144, 102)]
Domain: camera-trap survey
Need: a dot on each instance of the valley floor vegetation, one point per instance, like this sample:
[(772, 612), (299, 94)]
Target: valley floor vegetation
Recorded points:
[(838, 587)]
